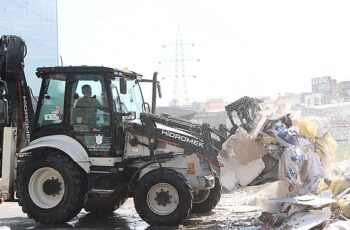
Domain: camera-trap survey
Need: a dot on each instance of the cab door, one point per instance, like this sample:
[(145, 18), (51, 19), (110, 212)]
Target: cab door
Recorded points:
[(118, 118), (91, 114)]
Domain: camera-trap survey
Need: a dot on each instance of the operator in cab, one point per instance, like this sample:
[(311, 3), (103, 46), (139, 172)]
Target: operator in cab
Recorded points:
[(86, 107)]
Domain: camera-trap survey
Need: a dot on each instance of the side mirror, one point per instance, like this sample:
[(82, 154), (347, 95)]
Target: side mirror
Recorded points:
[(147, 107), (159, 90), (154, 93), (3, 88), (122, 86), (130, 116)]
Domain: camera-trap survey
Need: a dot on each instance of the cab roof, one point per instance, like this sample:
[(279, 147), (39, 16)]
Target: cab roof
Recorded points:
[(42, 71)]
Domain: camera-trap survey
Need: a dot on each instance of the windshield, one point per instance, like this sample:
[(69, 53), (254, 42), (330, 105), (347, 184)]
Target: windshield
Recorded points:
[(132, 101)]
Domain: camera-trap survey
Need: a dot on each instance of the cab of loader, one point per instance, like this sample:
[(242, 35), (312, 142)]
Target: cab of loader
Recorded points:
[(88, 104)]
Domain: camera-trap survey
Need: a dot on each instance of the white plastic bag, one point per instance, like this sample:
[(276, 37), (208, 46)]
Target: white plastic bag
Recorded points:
[(285, 137), (314, 171), (290, 165), (323, 127)]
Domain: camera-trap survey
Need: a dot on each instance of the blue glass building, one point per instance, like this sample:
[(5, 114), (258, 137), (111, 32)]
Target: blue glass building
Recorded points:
[(36, 22)]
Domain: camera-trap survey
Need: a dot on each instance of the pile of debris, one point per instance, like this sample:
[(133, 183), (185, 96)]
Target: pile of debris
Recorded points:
[(298, 155)]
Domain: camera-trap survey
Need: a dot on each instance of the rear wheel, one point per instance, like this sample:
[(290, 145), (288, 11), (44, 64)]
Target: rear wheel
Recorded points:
[(163, 197), (51, 188), (205, 200)]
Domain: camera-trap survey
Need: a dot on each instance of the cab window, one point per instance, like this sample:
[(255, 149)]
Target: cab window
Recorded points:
[(52, 104), (132, 101), (89, 101)]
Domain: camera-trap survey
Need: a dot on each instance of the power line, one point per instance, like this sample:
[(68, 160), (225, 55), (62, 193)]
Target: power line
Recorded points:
[(104, 19), (180, 77)]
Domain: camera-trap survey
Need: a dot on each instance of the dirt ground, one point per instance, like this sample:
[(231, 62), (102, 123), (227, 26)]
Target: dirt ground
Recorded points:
[(236, 210)]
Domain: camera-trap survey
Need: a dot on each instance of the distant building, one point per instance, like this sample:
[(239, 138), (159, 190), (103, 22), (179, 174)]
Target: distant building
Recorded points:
[(326, 90), (212, 111), (341, 91), (212, 118), (214, 104), (179, 112), (36, 22), (322, 84), (313, 99)]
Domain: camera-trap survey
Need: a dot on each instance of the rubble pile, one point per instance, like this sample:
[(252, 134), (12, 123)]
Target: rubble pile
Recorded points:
[(297, 157)]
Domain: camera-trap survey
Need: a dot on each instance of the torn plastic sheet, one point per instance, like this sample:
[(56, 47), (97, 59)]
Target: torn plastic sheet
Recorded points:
[(307, 200), (314, 171), (322, 125), (307, 220), (293, 212), (325, 148), (338, 225)]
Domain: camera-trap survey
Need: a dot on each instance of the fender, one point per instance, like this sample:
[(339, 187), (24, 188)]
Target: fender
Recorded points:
[(67, 145)]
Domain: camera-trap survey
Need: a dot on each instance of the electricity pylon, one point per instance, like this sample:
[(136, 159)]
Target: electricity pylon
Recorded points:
[(180, 91)]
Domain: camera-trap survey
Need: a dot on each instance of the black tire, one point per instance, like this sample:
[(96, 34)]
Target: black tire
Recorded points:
[(145, 194), (210, 202), (72, 182)]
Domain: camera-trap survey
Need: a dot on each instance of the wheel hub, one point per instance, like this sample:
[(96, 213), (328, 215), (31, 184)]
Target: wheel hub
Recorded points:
[(52, 187), (46, 187), (163, 197)]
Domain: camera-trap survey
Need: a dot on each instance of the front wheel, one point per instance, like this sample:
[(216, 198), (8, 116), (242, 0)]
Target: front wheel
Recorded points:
[(163, 197), (51, 188), (205, 200)]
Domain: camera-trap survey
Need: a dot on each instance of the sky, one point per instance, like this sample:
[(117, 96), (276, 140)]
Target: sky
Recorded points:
[(245, 48)]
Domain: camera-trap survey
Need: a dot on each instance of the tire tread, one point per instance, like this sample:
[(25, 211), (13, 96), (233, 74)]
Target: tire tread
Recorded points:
[(73, 202), (159, 176)]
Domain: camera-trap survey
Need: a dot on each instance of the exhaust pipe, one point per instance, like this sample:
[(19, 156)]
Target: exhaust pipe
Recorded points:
[(154, 92)]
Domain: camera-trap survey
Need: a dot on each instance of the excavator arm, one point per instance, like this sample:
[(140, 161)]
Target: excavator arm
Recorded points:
[(16, 110), (20, 109)]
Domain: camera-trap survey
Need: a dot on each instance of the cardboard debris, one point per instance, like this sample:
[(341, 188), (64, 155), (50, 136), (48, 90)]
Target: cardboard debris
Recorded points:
[(307, 220), (233, 174), (240, 144), (307, 200)]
